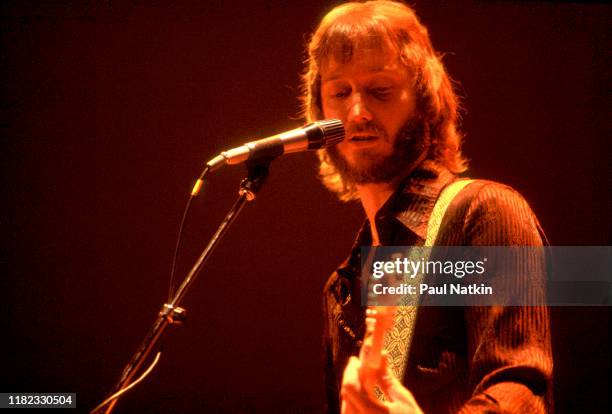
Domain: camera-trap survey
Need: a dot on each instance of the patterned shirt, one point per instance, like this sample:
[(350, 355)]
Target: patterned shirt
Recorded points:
[(462, 359)]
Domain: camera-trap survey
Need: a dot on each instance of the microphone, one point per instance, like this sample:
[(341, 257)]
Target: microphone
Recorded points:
[(316, 135)]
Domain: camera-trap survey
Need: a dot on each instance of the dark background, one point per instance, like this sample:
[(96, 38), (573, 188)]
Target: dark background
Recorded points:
[(108, 112)]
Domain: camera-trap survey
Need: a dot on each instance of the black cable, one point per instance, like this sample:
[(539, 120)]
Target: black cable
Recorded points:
[(194, 192)]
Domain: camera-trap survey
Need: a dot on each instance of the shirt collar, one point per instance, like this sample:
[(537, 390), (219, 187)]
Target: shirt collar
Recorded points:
[(411, 205), (415, 198)]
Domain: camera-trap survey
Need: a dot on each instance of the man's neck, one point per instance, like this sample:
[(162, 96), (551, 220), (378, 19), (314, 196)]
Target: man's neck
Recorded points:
[(373, 197)]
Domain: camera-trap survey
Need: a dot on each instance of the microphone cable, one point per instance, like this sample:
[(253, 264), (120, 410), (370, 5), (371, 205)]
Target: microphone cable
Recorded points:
[(127, 387), (194, 192)]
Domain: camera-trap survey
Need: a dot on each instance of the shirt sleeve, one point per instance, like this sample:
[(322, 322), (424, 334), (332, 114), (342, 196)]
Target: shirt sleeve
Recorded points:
[(332, 402), (509, 347)]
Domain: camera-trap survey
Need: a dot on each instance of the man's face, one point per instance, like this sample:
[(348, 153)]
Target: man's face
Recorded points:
[(373, 95)]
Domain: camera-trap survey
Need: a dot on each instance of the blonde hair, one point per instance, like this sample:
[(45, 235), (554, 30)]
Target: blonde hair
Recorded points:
[(350, 25)]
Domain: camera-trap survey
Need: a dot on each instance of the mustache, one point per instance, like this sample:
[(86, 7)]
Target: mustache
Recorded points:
[(369, 127)]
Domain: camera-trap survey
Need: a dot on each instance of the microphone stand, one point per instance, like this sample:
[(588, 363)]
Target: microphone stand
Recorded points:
[(171, 312)]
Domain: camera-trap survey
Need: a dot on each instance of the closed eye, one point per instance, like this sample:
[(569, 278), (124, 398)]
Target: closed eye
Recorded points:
[(342, 93), (381, 91)]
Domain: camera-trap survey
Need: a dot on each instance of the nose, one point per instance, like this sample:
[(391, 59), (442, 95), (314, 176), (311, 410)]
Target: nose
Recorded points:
[(358, 111)]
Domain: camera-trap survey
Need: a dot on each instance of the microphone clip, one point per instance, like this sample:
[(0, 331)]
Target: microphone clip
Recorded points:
[(258, 170)]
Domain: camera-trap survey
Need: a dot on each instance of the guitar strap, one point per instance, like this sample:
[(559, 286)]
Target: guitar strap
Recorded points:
[(399, 338)]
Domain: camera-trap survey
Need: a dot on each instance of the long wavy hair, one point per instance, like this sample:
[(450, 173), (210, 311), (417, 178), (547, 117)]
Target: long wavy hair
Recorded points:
[(373, 23)]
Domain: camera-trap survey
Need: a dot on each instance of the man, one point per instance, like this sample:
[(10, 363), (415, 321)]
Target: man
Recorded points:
[(372, 66)]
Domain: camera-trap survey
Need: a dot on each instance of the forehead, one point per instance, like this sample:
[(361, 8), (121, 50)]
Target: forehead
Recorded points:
[(364, 62)]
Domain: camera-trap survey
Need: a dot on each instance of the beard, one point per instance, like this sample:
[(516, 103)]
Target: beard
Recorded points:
[(409, 147)]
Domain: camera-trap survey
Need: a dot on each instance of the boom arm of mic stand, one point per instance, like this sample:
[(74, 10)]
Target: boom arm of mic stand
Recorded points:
[(171, 312)]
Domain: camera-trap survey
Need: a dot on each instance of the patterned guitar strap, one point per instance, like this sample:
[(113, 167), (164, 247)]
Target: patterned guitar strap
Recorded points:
[(399, 338)]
